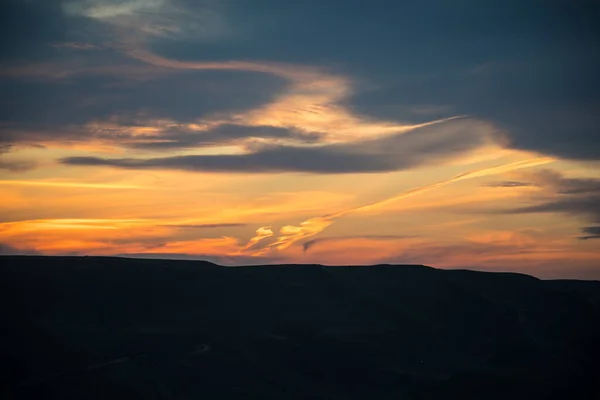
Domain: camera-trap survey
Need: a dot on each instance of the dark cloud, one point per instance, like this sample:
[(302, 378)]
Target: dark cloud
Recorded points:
[(55, 110), (554, 180), (590, 232), (8, 250), (75, 45), (413, 36), (564, 185), (529, 67), (542, 108), (174, 138), (531, 73), (311, 243), (580, 206), (427, 145), (13, 165), (17, 166), (508, 184), (28, 28), (573, 196)]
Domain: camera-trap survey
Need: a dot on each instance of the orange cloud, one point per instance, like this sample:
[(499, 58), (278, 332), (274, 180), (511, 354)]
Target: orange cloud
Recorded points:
[(291, 234), (310, 104), (107, 236), (70, 184), (261, 234)]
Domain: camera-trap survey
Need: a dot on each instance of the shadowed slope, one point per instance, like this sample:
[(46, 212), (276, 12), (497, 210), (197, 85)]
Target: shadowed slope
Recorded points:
[(87, 328)]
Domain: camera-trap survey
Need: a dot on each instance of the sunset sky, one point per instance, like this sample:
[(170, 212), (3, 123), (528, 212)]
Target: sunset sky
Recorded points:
[(456, 134)]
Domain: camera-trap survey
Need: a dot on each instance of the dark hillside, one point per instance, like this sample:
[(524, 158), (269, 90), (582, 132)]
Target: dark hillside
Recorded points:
[(110, 328)]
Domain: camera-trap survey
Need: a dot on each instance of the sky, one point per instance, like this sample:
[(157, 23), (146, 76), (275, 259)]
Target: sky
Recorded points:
[(456, 134)]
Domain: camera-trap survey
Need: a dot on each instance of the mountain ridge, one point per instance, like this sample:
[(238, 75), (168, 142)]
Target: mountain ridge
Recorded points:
[(164, 329)]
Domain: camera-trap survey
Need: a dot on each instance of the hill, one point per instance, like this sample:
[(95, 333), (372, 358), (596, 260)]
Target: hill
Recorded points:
[(113, 328)]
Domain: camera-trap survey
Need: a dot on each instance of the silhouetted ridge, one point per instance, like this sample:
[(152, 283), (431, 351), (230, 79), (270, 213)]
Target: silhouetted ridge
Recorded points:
[(101, 327)]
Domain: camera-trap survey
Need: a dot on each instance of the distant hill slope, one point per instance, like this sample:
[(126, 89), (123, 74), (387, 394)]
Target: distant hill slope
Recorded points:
[(110, 328)]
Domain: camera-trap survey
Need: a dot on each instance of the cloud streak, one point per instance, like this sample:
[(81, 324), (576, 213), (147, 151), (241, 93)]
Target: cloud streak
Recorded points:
[(143, 19), (205, 226), (590, 232), (311, 102), (291, 234), (111, 9), (578, 197), (74, 185), (507, 184), (432, 143), (500, 169), (262, 233), (309, 109), (314, 242)]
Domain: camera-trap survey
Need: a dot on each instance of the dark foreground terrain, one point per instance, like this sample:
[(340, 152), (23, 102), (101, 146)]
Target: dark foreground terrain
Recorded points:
[(108, 328)]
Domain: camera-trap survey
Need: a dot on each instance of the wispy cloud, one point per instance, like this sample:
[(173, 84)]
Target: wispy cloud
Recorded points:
[(105, 236), (63, 184), (313, 242), (13, 165), (197, 136), (291, 234), (205, 226), (70, 223), (143, 19), (17, 165), (590, 232), (560, 184), (262, 233), (75, 45), (311, 103), (578, 197), (8, 250), (111, 9), (500, 169), (427, 144), (309, 112), (507, 184)]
